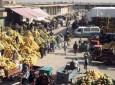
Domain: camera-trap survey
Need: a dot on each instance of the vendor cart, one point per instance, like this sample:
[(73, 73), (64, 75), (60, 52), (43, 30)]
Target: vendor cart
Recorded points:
[(46, 70), (66, 74), (45, 76), (83, 46), (9, 74)]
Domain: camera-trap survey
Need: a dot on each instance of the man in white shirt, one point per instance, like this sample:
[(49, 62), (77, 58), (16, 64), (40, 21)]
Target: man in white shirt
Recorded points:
[(77, 65)]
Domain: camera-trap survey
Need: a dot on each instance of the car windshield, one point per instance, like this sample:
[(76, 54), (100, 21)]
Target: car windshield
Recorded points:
[(79, 30)]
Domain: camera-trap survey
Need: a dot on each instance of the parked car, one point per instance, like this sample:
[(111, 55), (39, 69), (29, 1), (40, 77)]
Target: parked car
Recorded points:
[(87, 31)]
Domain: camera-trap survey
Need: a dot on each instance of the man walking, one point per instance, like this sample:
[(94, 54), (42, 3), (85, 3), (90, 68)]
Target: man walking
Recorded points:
[(65, 47), (75, 46), (85, 62)]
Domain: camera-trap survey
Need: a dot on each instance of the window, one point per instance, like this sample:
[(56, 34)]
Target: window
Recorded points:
[(79, 30), (58, 10), (95, 29), (86, 29)]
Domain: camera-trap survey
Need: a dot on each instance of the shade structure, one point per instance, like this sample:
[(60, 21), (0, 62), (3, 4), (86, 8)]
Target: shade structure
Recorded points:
[(102, 12), (41, 12), (43, 19), (26, 12)]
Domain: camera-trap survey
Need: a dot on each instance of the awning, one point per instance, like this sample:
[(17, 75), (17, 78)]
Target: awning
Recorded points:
[(26, 12), (43, 19), (102, 12), (41, 12)]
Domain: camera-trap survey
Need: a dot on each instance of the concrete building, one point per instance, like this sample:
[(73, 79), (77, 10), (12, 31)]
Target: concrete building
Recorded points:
[(3, 14), (56, 9)]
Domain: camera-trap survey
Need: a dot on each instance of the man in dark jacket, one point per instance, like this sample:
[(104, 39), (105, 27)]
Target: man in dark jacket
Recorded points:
[(41, 51), (75, 46)]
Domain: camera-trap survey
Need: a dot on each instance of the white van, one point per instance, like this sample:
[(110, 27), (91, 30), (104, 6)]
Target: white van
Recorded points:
[(86, 31)]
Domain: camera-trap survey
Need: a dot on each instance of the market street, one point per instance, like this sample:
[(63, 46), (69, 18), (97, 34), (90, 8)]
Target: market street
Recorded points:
[(58, 59)]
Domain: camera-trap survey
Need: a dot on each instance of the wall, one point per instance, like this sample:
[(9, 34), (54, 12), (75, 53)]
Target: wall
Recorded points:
[(57, 10), (64, 10), (0, 3), (2, 22)]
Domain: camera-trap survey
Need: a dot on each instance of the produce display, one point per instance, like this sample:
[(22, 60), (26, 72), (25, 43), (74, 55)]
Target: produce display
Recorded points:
[(93, 77), (109, 45), (25, 46)]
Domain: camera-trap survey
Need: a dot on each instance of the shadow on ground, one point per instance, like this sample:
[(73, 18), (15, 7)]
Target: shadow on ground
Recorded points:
[(70, 51), (80, 58), (70, 58), (59, 54), (61, 31)]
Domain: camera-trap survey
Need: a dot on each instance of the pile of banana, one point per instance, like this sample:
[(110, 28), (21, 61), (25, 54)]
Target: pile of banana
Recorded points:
[(26, 46), (93, 77)]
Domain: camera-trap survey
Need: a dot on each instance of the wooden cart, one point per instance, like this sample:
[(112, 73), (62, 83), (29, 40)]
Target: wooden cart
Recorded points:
[(8, 74), (66, 74)]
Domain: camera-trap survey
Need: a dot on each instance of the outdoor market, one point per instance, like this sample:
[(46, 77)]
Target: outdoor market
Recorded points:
[(24, 43)]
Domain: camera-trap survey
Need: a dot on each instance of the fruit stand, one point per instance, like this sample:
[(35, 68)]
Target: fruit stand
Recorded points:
[(93, 77), (25, 46)]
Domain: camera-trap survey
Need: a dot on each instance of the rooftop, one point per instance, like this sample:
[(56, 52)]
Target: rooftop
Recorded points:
[(51, 5), (13, 6)]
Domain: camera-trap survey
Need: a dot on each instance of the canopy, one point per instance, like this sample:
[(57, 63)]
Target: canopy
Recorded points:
[(41, 12), (26, 12), (43, 19), (101, 12)]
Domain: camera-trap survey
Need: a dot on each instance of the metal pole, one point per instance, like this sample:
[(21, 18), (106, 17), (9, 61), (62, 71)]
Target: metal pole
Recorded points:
[(108, 17)]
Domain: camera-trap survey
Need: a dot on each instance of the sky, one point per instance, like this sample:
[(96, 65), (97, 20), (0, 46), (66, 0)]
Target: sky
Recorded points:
[(87, 1)]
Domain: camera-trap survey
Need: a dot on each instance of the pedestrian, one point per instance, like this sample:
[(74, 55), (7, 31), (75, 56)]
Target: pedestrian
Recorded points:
[(85, 62), (31, 77), (45, 48), (37, 78), (77, 65), (52, 47), (17, 40), (51, 33), (67, 37), (41, 50), (25, 75), (58, 39), (48, 48), (65, 47), (75, 47), (15, 57)]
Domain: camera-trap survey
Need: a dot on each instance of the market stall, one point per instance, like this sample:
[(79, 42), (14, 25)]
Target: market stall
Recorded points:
[(103, 17)]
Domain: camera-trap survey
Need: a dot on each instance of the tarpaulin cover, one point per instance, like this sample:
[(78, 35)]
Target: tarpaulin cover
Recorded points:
[(26, 12), (101, 12)]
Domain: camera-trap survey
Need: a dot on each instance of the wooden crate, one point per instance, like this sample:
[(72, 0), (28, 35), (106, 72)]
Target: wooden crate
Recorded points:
[(12, 72)]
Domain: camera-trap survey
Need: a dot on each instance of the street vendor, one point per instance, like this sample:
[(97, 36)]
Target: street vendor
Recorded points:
[(72, 65), (15, 57), (77, 64), (2, 52)]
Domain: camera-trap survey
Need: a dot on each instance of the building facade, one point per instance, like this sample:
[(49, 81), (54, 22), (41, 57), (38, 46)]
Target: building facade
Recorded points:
[(56, 9), (3, 14)]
